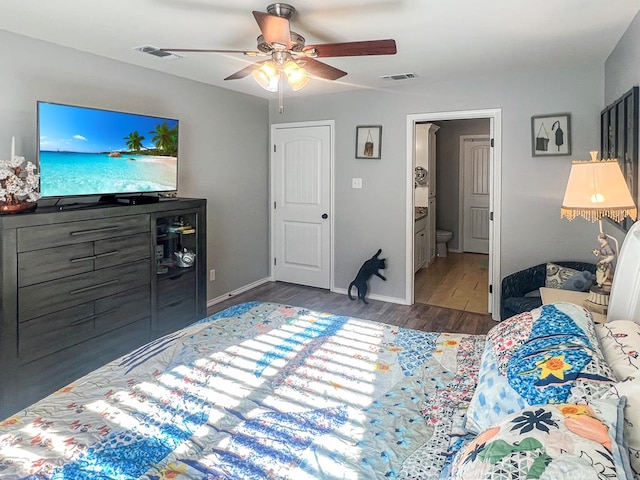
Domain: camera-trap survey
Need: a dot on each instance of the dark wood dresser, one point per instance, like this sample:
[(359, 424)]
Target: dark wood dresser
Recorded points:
[(81, 287)]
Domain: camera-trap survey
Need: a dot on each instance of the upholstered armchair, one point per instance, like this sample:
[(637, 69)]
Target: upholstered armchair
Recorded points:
[(515, 287)]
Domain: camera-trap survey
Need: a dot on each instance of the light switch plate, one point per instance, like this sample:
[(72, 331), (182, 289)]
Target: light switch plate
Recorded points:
[(356, 183)]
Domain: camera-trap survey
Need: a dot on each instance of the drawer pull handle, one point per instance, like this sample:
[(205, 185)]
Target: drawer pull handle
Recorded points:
[(93, 257), (95, 230), (108, 254), (81, 321), (178, 302), (83, 259), (92, 317), (93, 287)]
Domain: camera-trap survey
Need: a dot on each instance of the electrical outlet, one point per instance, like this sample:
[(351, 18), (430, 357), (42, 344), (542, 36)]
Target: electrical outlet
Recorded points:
[(212, 274), (356, 183)]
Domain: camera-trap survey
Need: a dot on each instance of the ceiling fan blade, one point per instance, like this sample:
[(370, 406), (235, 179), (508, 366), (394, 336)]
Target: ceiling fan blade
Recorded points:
[(321, 70), (275, 29), (353, 49), (211, 50), (245, 71)]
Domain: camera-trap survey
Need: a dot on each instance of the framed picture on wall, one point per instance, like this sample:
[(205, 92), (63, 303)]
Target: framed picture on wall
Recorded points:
[(369, 141), (619, 140), (551, 135)]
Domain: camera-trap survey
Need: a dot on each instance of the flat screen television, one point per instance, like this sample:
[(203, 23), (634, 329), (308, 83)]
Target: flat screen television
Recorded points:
[(88, 151)]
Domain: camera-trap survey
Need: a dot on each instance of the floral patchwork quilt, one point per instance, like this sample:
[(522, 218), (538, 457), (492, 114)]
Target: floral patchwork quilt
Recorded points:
[(257, 391)]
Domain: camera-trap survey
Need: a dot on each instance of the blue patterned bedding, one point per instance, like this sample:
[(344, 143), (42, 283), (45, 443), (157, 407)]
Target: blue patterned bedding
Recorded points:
[(258, 391)]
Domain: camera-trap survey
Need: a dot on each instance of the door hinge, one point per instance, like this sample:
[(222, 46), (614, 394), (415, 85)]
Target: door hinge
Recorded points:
[(491, 217), (275, 262), (490, 288), (274, 205), (492, 143), (274, 148)]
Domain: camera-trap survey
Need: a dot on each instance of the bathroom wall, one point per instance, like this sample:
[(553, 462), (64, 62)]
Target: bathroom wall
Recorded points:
[(447, 172)]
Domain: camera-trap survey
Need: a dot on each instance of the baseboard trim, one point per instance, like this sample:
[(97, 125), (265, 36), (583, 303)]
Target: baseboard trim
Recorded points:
[(380, 298), (238, 291)]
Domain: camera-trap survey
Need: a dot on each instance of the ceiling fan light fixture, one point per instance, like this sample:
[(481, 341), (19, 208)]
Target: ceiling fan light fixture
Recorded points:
[(297, 77), (267, 76)]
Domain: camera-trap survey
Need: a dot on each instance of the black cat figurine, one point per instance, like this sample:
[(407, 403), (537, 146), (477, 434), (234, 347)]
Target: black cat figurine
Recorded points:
[(367, 270)]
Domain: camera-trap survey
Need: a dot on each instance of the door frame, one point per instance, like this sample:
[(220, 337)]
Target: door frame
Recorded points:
[(332, 129), (495, 132), (461, 181)]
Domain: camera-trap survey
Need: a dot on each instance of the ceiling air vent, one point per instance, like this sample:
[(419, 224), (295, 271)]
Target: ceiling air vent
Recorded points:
[(156, 52), (399, 76)]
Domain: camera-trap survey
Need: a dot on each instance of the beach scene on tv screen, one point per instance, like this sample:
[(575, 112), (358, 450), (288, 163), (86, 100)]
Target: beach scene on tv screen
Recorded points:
[(86, 151)]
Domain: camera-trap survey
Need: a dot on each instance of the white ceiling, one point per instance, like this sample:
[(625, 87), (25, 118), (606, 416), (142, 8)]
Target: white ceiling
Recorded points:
[(435, 39)]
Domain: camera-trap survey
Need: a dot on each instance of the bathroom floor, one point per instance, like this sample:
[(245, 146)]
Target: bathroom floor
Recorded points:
[(459, 281)]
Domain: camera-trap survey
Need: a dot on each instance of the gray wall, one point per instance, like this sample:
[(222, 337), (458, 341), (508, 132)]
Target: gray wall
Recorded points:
[(223, 139), (448, 171), (622, 68), (532, 188)]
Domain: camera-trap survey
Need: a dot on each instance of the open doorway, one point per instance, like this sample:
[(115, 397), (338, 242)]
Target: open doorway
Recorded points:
[(457, 276), (472, 260)]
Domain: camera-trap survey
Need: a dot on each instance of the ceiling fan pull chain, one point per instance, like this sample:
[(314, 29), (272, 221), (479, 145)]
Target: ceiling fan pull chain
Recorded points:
[(281, 93)]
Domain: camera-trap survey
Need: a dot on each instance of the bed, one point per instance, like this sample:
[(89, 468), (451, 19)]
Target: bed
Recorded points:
[(269, 391)]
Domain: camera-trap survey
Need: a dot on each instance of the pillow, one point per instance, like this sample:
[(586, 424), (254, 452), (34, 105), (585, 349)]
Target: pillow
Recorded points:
[(557, 275), (631, 390), (548, 355), (620, 341), (579, 282), (564, 441)]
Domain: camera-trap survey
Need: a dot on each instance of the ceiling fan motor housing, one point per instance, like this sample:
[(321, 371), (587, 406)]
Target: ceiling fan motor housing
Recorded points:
[(297, 43), (281, 10)]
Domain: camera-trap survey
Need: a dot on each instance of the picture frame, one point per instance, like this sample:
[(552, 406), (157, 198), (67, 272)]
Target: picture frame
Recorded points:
[(551, 135), (619, 140), (369, 142)]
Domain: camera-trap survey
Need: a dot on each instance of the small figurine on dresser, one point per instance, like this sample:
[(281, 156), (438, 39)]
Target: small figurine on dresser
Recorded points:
[(606, 263)]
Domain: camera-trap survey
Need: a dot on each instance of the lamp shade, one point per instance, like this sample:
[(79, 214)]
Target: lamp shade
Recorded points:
[(595, 190)]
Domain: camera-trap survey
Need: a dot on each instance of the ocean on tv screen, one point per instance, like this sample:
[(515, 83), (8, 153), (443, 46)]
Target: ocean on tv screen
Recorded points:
[(70, 173)]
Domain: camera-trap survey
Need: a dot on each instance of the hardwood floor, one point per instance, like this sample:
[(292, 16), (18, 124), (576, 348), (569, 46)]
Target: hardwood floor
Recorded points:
[(459, 281), (417, 316)]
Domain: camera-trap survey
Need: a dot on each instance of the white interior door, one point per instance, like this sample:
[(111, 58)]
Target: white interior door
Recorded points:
[(476, 162), (301, 194)]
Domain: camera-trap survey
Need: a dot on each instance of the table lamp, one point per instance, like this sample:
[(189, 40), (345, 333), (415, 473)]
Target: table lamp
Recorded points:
[(597, 189)]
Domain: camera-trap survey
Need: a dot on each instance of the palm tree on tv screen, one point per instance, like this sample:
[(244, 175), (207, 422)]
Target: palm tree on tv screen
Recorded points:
[(134, 141), (165, 138)]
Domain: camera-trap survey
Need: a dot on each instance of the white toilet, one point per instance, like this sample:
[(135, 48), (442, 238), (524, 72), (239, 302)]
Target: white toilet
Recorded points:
[(442, 237)]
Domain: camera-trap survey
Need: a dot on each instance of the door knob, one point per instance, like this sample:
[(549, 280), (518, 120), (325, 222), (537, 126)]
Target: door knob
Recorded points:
[(325, 216)]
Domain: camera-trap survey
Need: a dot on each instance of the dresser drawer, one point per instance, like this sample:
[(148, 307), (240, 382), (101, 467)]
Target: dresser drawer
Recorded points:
[(50, 333), (116, 251), (176, 315), (39, 266), (47, 236), (123, 308), (174, 288), (46, 375), (48, 297), (44, 335)]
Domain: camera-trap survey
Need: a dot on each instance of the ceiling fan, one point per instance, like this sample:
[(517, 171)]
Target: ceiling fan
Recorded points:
[(289, 58)]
